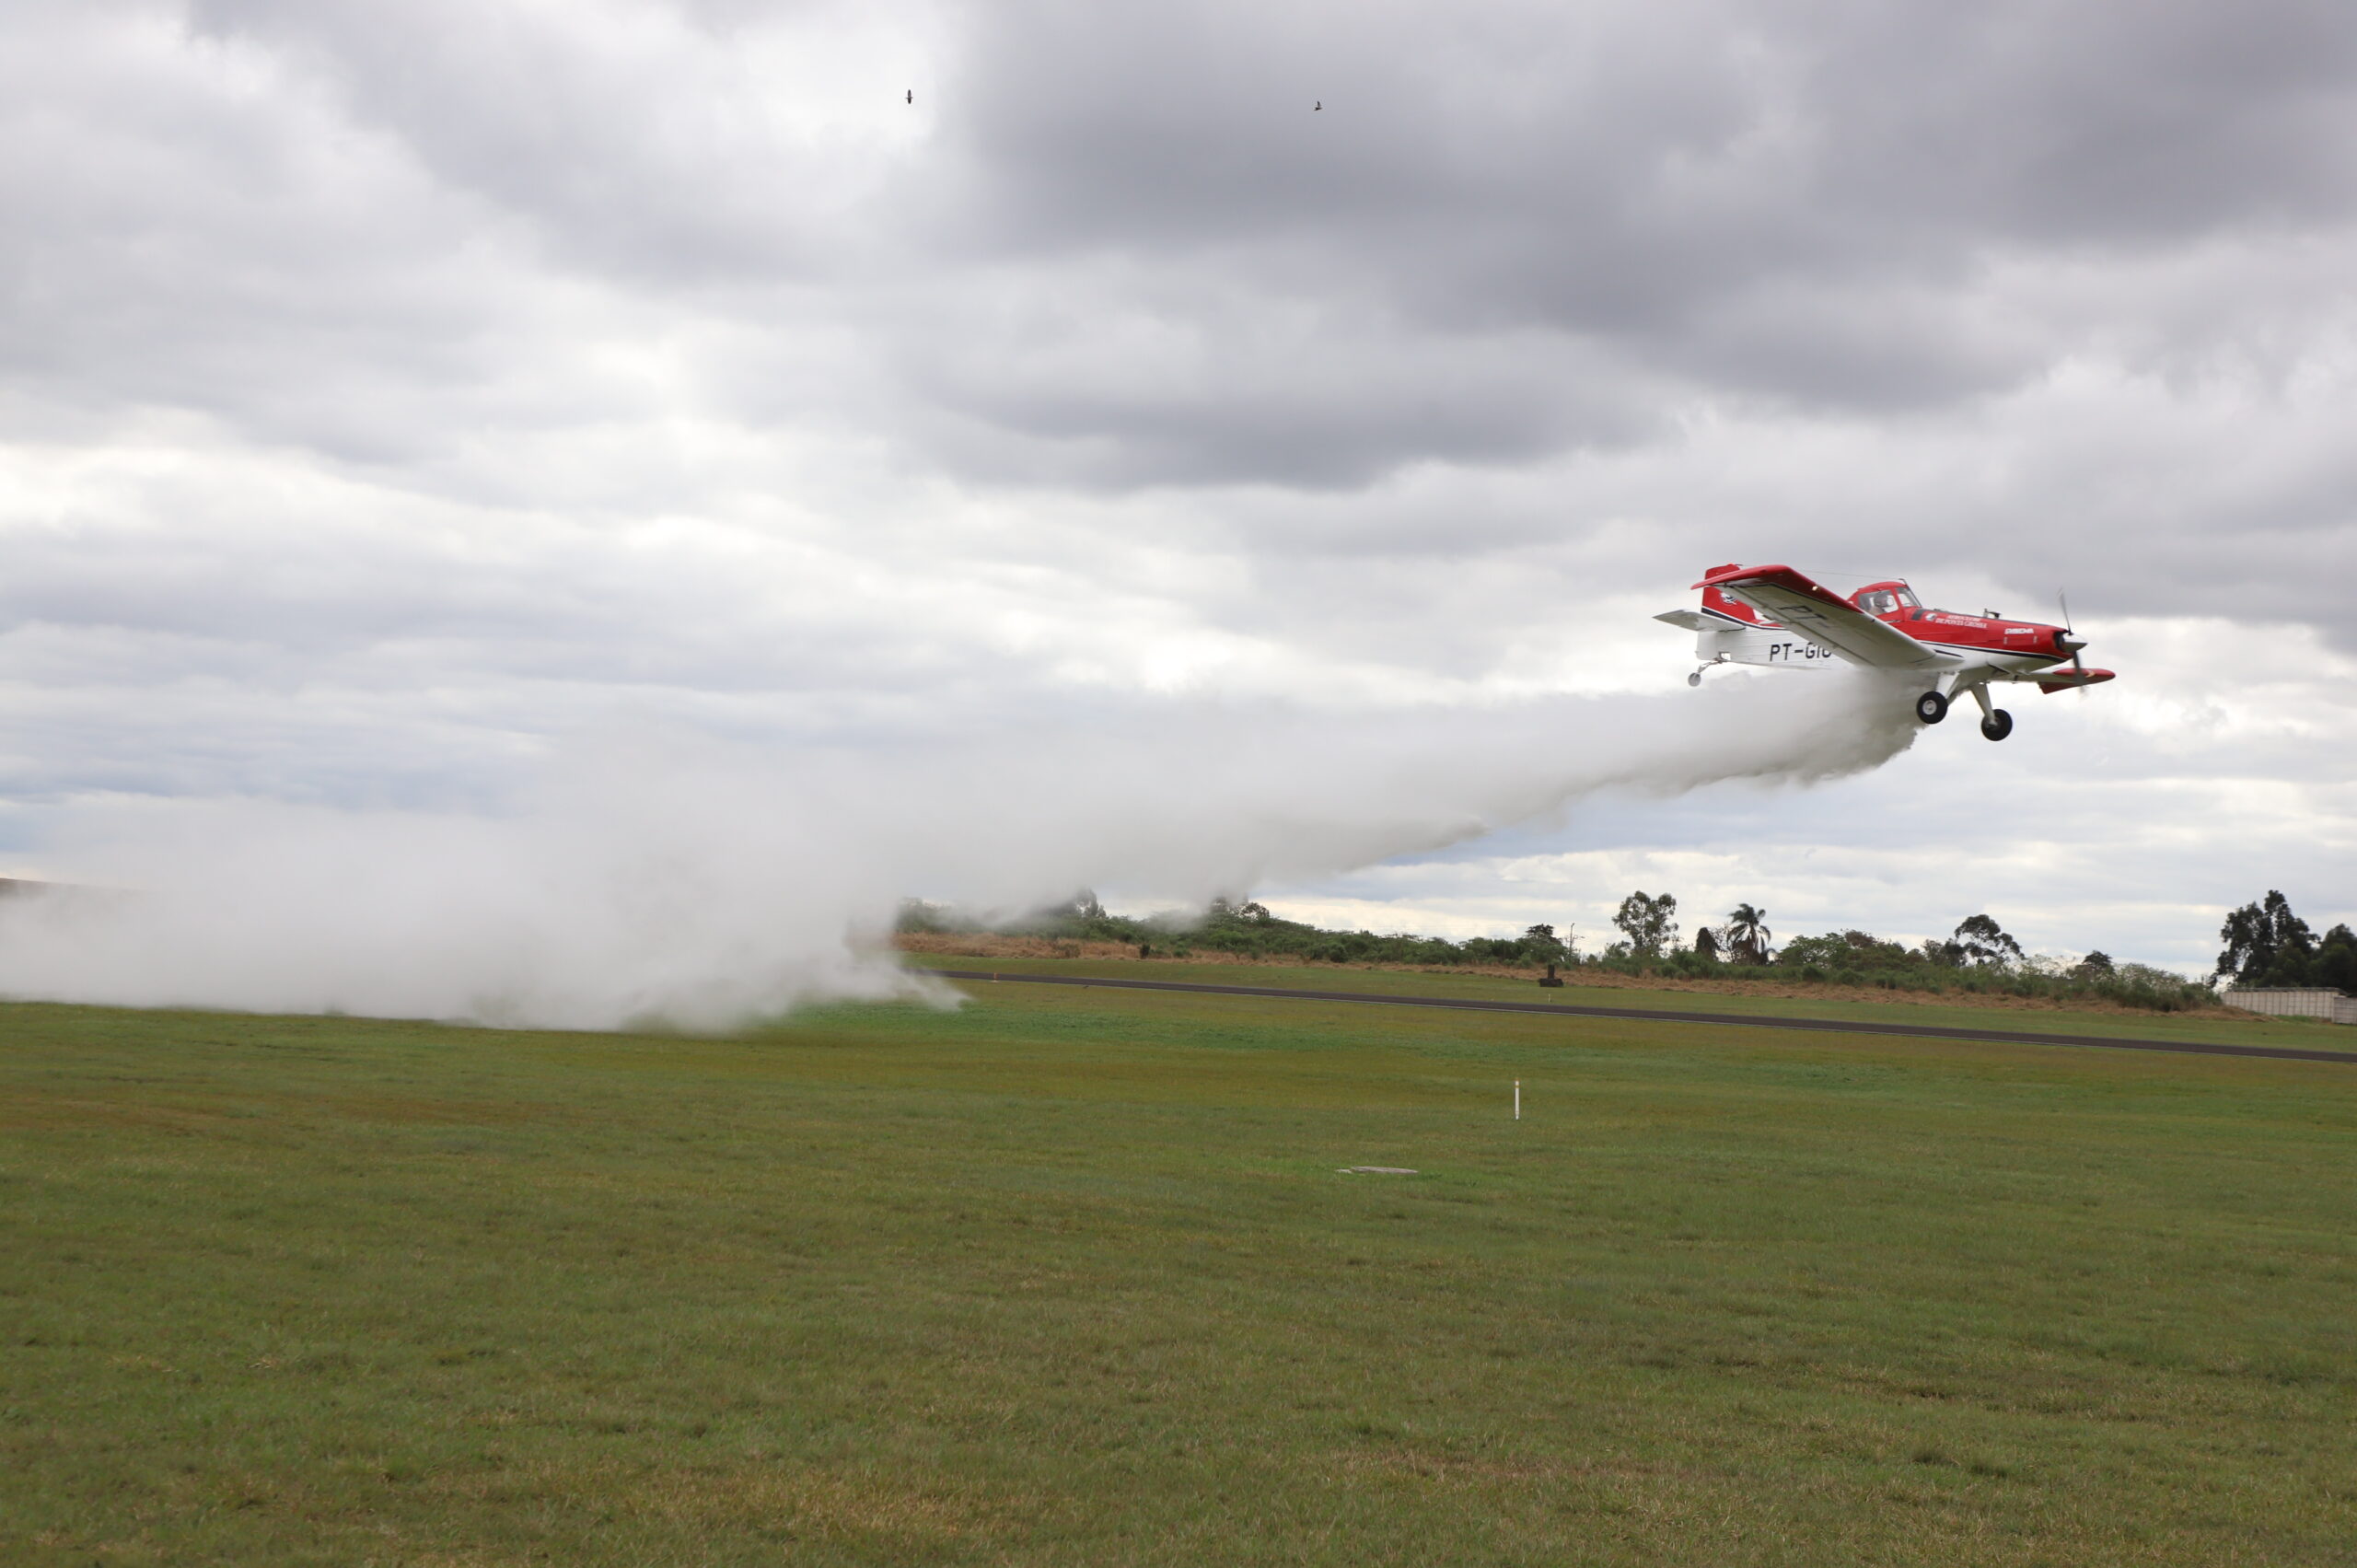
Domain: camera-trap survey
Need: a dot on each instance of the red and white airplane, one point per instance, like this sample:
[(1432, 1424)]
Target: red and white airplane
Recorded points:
[(1773, 615)]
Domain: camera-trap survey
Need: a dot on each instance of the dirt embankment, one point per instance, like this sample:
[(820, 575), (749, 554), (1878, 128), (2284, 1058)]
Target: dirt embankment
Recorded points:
[(988, 945)]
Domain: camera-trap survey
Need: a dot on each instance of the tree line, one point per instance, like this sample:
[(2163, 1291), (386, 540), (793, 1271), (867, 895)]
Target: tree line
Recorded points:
[(1978, 955), (2266, 945)]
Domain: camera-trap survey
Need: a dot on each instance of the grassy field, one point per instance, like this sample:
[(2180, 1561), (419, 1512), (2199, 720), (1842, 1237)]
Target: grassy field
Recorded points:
[(1071, 1277)]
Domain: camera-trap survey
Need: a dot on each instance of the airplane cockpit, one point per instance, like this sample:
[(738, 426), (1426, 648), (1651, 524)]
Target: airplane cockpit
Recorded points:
[(1886, 600)]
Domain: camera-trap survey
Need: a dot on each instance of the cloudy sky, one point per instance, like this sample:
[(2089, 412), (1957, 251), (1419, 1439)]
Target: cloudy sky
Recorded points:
[(389, 391)]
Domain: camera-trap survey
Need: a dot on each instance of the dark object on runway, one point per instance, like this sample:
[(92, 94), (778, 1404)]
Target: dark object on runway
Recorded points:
[(1832, 1025)]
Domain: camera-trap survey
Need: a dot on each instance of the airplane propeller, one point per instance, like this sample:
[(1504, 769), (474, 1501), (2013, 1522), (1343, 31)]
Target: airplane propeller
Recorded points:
[(2071, 637)]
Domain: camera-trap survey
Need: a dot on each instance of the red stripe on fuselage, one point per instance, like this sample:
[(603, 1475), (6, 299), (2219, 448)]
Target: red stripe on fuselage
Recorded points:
[(1953, 631)]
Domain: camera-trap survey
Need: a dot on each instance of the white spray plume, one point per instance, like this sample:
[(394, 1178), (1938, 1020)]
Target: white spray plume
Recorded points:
[(665, 876)]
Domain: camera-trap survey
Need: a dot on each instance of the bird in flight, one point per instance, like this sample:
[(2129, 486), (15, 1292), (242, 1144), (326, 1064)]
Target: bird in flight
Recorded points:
[(1320, 104), (912, 95)]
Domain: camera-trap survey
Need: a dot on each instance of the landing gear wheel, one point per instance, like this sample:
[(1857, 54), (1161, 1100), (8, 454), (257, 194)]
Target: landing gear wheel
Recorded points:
[(1931, 707), (1695, 678), (1998, 725)]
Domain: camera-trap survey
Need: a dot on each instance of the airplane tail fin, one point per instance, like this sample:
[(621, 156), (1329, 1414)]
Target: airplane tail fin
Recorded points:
[(1728, 630), (1718, 603)]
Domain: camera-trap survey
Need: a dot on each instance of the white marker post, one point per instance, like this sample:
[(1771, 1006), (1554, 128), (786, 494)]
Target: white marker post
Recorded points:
[(1518, 1100)]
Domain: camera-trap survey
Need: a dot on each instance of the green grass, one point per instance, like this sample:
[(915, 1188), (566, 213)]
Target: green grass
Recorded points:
[(1070, 1277)]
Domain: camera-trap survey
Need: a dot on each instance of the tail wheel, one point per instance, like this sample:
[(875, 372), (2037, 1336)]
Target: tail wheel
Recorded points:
[(1998, 725), (1695, 678), (1931, 707)]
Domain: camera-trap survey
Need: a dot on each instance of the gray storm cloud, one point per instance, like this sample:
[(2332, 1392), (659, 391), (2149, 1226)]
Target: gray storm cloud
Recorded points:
[(661, 877), (2032, 275)]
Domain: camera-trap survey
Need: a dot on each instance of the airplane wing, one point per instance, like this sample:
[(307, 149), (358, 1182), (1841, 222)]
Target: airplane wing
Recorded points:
[(1825, 618), (2058, 679)]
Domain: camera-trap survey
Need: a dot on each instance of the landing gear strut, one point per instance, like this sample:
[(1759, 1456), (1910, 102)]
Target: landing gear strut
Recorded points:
[(1996, 722), (1931, 707)]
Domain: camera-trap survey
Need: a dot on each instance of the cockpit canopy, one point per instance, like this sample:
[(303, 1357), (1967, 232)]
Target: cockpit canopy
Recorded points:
[(1887, 598)]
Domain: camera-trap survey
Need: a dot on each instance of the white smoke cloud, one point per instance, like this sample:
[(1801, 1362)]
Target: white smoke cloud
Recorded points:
[(664, 876)]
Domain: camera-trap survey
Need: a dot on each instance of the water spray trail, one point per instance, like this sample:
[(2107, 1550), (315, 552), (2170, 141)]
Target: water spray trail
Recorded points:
[(672, 878)]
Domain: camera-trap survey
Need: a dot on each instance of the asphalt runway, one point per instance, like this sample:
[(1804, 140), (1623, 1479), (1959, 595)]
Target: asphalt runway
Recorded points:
[(1645, 1015)]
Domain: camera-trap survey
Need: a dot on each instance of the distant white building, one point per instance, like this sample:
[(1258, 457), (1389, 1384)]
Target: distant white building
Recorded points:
[(2288, 1002)]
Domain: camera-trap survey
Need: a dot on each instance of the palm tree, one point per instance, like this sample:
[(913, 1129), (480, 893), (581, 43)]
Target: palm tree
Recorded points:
[(1748, 933)]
